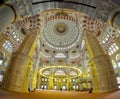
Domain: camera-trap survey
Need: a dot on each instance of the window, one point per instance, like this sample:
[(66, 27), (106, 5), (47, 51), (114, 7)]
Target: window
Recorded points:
[(76, 86), (64, 87), (46, 79), (55, 87), (43, 86), (119, 87), (64, 80), (55, 80), (73, 86), (60, 55), (17, 36), (42, 79), (106, 38), (114, 64), (112, 49), (119, 64), (8, 46), (1, 77), (118, 80), (73, 80)]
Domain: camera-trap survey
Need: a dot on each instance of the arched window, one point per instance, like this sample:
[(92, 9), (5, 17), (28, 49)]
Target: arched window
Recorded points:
[(60, 55), (106, 38), (8, 46), (82, 44), (17, 36), (112, 49)]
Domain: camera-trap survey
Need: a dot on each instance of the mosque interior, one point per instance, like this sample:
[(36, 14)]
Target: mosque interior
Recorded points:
[(59, 45)]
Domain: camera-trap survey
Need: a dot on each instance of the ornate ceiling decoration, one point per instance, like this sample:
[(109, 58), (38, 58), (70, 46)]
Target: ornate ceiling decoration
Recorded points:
[(61, 32)]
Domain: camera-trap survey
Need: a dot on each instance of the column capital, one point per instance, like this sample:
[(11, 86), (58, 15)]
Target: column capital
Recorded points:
[(91, 33), (33, 32)]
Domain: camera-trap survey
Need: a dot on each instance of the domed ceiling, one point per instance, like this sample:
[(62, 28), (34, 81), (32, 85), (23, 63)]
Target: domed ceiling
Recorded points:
[(61, 34), (61, 27), (62, 24)]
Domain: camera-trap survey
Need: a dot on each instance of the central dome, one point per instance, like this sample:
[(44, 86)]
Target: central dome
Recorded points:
[(61, 34), (61, 28)]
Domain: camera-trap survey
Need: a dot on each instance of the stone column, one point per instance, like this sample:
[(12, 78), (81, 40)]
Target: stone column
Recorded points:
[(68, 83), (34, 78), (80, 87), (38, 81), (50, 86), (7, 16), (17, 75), (102, 72), (35, 69)]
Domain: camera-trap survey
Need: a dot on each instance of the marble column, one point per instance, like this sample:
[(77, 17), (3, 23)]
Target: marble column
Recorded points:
[(38, 81), (17, 74), (68, 83), (35, 70), (50, 86), (80, 87), (102, 72), (34, 79)]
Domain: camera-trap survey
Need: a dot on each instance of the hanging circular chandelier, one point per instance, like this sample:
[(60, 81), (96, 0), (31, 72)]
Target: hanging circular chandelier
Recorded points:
[(59, 71)]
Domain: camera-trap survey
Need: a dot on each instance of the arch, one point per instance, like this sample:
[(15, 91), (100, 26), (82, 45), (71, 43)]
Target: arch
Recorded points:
[(112, 16), (59, 55)]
